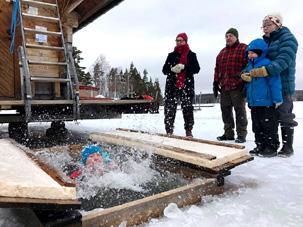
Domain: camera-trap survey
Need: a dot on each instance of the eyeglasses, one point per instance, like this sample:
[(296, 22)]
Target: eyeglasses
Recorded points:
[(267, 25), (179, 40)]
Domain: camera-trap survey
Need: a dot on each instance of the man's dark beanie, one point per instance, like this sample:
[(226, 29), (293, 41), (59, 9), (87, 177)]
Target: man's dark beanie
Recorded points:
[(233, 31)]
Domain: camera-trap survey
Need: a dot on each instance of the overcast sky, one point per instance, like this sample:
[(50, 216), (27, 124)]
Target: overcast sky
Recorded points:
[(144, 31)]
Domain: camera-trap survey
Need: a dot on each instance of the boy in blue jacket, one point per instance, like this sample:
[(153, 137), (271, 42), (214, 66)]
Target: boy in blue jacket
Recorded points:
[(264, 95)]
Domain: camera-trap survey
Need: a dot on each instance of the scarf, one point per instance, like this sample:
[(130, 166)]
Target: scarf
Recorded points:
[(183, 50)]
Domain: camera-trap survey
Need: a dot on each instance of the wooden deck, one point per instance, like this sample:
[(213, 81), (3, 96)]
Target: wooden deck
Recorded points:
[(22, 181), (85, 101), (212, 155)]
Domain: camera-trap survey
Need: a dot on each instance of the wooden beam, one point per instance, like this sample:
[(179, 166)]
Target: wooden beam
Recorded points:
[(187, 138), (93, 10), (172, 148), (183, 156), (52, 172), (140, 211), (21, 177), (209, 156), (73, 5), (58, 204)]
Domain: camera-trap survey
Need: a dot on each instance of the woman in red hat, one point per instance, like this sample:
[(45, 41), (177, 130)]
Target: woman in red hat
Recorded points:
[(179, 67)]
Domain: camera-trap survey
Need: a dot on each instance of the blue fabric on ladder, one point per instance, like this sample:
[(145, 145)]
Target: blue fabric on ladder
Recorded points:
[(14, 22)]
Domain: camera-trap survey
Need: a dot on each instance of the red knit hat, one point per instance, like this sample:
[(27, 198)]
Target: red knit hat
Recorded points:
[(183, 36)]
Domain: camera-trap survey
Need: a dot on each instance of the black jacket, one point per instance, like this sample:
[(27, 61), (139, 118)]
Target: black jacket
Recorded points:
[(192, 67)]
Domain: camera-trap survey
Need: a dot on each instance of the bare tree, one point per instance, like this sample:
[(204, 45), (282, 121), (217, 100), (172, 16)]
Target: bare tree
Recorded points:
[(99, 71)]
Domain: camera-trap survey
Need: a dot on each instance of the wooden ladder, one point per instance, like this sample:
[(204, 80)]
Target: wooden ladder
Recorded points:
[(47, 66)]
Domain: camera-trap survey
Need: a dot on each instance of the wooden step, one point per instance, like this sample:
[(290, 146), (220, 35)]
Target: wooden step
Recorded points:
[(42, 32), (35, 46), (42, 18), (50, 79), (39, 4), (46, 63)]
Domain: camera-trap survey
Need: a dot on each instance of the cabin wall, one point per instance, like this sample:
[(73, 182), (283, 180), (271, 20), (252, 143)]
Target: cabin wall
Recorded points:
[(9, 68)]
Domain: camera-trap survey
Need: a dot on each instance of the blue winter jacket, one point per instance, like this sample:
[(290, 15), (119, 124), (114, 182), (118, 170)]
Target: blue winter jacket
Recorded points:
[(282, 50), (262, 91)]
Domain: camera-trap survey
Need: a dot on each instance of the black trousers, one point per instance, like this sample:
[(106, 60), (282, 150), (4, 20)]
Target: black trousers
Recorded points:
[(265, 126), (285, 114), (170, 107)]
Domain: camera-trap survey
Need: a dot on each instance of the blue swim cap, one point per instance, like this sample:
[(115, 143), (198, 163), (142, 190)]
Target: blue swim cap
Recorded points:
[(91, 149)]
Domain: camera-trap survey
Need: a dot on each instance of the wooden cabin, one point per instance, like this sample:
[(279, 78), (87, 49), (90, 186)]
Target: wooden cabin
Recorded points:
[(38, 77), (75, 14)]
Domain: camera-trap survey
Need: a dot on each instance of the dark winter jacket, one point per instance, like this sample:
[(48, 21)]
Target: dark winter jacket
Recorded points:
[(229, 63), (192, 67), (282, 49), (262, 91)]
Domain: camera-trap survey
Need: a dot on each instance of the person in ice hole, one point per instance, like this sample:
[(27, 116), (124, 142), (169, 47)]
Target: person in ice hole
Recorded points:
[(94, 160), (180, 67)]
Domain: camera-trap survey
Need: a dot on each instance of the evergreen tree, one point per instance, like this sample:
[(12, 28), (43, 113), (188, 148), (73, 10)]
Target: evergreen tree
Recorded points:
[(158, 95), (150, 87), (112, 82), (126, 87), (134, 81), (84, 78), (144, 82), (120, 84), (87, 79)]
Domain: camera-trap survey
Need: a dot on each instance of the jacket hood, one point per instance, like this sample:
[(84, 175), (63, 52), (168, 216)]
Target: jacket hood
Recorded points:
[(258, 44)]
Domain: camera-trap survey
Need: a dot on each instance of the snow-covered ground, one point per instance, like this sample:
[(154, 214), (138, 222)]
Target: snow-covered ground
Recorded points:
[(264, 192)]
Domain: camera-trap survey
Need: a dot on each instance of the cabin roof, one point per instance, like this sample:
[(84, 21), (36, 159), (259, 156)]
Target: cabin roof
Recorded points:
[(89, 10)]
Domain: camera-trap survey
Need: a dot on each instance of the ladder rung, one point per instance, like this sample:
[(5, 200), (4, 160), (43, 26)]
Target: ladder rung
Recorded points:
[(50, 79), (43, 18), (42, 32), (46, 63), (44, 47), (38, 3)]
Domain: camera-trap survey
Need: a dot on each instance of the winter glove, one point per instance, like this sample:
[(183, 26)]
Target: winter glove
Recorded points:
[(181, 66), (278, 104), (246, 77), (259, 72), (216, 88), (177, 68)]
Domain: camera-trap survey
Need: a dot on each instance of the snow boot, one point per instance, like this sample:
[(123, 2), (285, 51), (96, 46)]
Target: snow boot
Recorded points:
[(287, 139), (268, 152), (224, 137), (169, 130), (240, 139), (188, 133), (259, 148)]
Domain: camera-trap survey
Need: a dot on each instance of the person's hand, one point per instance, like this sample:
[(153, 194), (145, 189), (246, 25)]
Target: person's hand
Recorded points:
[(278, 104), (216, 88), (177, 68), (259, 72), (246, 77), (181, 66)]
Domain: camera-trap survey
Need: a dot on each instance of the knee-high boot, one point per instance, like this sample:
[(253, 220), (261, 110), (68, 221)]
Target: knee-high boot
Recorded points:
[(287, 139)]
